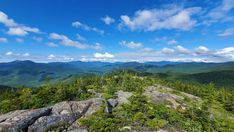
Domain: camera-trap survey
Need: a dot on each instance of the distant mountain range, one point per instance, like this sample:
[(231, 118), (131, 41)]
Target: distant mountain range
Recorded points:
[(28, 73)]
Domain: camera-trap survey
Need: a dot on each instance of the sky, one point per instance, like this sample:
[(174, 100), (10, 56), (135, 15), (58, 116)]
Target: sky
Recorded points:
[(117, 30)]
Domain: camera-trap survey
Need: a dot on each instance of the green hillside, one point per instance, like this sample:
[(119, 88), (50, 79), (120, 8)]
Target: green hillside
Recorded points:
[(219, 78), (201, 107), (190, 68), (28, 73)]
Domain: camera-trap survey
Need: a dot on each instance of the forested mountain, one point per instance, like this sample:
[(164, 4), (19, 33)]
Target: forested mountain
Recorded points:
[(28, 73), (222, 78), (121, 100)]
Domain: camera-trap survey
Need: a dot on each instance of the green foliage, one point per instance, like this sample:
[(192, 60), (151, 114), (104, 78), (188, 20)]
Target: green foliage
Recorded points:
[(220, 78), (30, 74), (142, 115), (213, 114)]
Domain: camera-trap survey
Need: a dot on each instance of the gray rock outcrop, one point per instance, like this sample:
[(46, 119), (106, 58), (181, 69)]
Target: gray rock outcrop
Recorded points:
[(62, 116), (123, 97), (59, 116), (162, 94), (21, 120)]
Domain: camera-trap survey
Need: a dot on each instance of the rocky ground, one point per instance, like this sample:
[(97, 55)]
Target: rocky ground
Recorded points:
[(63, 115)]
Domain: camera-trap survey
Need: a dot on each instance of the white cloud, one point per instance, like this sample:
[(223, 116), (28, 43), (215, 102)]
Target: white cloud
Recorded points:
[(79, 37), (165, 40), (6, 21), (131, 44), (148, 50), (98, 57), (16, 55), (64, 40), (226, 52), (227, 32), (106, 55), (182, 50), (25, 54), (57, 36), (227, 5), (38, 39), (62, 58), (167, 51), (108, 20), (155, 19), (30, 29), (97, 46), (15, 28), (172, 42), (221, 12), (17, 31), (51, 44), (78, 24), (67, 58), (202, 50), (51, 57), (9, 53), (19, 40), (161, 39), (199, 54), (3, 40), (179, 53), (21, 31)]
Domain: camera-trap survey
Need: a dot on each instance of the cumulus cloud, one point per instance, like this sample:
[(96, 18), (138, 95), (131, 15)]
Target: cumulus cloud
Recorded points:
[(9, 56), (106, 55), (108, 20), (165, 41), (131, 44), (227, 32), (16, 28), (201, 50), (167, 51), (227, 52), (19, 40), (198, 54), (179, 53), (98, 57), (9, 53), (172, 42), (63, 58), (154, 19), (17, 31), (182, 50), (51, 44), (3, 40), (51, 57), (16, 55), (25, 54), (148, 50), (80, 25), (167, 54), (64, 40), (7, 21)]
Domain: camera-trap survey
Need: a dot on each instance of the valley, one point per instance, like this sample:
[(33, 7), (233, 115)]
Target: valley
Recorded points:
[(31, 74), (121, 100)]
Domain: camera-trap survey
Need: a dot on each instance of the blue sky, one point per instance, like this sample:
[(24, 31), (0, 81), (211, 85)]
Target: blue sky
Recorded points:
[(117, 30)]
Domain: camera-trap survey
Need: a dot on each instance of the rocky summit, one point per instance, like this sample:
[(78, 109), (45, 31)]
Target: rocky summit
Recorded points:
[(64, 115)]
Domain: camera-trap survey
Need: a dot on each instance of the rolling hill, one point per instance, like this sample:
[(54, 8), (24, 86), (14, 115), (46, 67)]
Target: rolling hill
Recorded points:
[(219, 78), (28, 73)]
